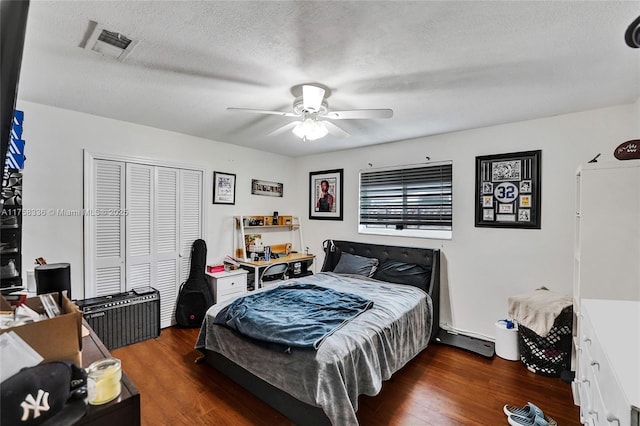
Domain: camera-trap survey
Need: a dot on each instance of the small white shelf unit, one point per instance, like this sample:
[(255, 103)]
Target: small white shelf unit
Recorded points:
[(240, 230)]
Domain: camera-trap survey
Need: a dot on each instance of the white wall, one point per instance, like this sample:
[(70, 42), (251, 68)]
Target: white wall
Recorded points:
[(483, 266), (636, 117), (53, 179)]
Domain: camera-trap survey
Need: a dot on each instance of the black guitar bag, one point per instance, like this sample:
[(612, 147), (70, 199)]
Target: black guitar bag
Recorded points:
[(195, 295)]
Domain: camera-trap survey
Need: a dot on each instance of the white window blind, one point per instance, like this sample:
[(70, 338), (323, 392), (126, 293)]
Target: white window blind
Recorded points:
[(408, 200)]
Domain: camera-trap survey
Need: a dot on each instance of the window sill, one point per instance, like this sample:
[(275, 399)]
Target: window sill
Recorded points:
[(414, 233)]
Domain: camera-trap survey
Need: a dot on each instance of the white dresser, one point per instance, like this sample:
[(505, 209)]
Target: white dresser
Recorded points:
[(228, 284), (608, 378)]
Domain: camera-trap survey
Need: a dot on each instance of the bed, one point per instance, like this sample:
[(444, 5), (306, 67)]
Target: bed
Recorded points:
[(321, 387)]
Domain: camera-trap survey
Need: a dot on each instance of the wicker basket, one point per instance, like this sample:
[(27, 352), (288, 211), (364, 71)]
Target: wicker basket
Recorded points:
[(550, 355)]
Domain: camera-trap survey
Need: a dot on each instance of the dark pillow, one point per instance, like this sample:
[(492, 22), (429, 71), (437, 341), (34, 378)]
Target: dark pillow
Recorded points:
[(397, 272), (354, 264)]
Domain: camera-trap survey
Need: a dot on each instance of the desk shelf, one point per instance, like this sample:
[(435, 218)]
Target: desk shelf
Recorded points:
[(241, 229), (290, 227)]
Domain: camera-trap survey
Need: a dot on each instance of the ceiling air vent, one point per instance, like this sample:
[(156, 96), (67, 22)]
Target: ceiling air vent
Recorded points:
[(107, 42)]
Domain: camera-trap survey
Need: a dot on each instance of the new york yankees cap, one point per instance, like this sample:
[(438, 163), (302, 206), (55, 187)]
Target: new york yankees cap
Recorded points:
[(43, 395)]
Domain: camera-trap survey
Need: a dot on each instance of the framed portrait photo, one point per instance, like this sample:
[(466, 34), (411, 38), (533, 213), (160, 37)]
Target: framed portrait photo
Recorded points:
[(224, 188), (508, 193), (325, 195)]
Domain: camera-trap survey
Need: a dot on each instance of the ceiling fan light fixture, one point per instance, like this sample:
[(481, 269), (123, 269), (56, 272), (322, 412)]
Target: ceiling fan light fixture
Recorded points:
[(310, 129)]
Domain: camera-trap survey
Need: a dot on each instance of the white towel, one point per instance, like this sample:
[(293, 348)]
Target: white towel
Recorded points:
[(538, 310)]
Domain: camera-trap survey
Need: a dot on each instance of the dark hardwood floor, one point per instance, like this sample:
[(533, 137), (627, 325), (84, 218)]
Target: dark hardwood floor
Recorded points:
[(442, 386)]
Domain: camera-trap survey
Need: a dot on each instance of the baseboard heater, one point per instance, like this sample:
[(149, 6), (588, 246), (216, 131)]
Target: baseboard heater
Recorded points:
[(124, 318)]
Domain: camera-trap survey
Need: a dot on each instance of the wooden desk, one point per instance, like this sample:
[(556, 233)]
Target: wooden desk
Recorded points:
[(255, 266), (125, 409)]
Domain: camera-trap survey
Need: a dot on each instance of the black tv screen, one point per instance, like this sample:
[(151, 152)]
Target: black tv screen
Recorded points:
[(13, 24)]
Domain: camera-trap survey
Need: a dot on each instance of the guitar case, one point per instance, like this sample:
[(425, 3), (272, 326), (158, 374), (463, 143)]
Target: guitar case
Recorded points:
[(194, 297)]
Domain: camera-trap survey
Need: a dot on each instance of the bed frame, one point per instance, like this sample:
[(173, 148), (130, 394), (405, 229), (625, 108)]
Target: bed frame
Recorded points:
[(297, 411)]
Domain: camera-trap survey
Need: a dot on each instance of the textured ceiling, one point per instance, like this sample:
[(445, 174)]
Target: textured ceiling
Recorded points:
[(441, 66)]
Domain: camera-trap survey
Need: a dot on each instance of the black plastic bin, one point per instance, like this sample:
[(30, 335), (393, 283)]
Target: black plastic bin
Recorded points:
[(549, 355)]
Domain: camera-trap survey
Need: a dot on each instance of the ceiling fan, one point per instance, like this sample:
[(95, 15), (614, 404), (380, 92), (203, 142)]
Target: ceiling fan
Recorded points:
[(313, 110)]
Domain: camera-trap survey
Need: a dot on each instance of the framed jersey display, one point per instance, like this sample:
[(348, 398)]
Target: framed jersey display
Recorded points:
[(508, 190)]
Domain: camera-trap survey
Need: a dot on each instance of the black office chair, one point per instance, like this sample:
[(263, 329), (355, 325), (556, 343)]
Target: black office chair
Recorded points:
[(273, 274)]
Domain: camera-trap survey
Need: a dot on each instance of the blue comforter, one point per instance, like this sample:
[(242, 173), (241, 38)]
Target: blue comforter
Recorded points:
[(295, 315)]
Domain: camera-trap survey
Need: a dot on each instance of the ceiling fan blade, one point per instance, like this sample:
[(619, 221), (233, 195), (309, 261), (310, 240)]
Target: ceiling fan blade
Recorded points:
[(262, 111), (282, 129), (312, 97), (335, 130), (359, 113)]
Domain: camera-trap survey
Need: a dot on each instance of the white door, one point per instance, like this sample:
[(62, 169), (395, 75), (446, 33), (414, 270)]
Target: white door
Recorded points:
[(190, 216), (140, 225), (165, 260), (105, 264)]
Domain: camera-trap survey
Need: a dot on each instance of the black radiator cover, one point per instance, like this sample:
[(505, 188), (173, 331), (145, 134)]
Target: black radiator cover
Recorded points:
[(124, 318)]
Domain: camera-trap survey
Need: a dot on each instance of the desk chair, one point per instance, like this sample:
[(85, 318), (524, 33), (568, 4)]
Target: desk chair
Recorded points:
[(273, 274)]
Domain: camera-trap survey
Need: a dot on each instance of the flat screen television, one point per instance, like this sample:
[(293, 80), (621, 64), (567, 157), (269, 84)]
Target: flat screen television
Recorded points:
[(13, 24)]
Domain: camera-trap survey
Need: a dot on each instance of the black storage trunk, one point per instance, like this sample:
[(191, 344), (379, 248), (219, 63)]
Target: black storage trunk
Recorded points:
[(124, 318), (550, 355)]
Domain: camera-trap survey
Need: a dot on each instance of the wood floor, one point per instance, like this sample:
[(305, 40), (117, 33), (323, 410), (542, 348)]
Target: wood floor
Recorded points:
[(442, 386)]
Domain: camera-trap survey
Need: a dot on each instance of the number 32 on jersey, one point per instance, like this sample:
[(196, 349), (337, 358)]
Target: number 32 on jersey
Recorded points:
[(506, 192)]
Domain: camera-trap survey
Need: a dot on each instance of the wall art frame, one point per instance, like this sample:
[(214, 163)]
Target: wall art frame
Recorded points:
[(325, 194), (508, 190), (266, 188), (224, 188)]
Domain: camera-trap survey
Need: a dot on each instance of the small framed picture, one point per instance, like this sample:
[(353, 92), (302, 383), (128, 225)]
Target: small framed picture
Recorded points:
[(325, 195), (263, 187), (505, 208), (224, 188)]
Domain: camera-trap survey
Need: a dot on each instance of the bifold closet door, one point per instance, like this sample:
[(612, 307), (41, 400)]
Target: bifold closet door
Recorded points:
[(150, 244), (152, 233), (106, 243), (191, 182), (165, 261)]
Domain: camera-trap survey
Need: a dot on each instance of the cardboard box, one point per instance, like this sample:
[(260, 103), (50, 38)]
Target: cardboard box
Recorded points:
[(56, 339)]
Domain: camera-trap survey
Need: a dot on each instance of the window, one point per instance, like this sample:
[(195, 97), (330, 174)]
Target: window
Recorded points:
[(411, 201)]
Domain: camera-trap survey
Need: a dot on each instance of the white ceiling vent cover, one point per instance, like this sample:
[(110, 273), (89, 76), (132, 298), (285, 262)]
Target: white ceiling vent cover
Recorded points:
[(107, 42)]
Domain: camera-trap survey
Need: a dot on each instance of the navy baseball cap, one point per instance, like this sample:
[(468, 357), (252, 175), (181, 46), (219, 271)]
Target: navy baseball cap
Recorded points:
[(48, 394)]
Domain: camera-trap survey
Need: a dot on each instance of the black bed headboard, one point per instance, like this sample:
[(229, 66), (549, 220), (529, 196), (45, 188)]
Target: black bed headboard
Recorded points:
[(422, 256)]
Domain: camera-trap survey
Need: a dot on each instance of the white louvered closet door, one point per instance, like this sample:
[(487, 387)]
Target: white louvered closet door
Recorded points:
[(139, 226), (151, 245), (166, 263), (107, 245), (190, 216)]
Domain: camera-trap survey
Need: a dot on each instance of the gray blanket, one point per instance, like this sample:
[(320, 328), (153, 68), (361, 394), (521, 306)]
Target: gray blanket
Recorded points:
[(354, 360)]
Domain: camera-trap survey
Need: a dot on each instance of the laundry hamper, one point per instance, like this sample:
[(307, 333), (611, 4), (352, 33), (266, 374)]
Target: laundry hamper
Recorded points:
[(549, 355)]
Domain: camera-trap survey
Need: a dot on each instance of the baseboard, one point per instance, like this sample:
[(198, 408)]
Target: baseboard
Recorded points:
[(473, 344)]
